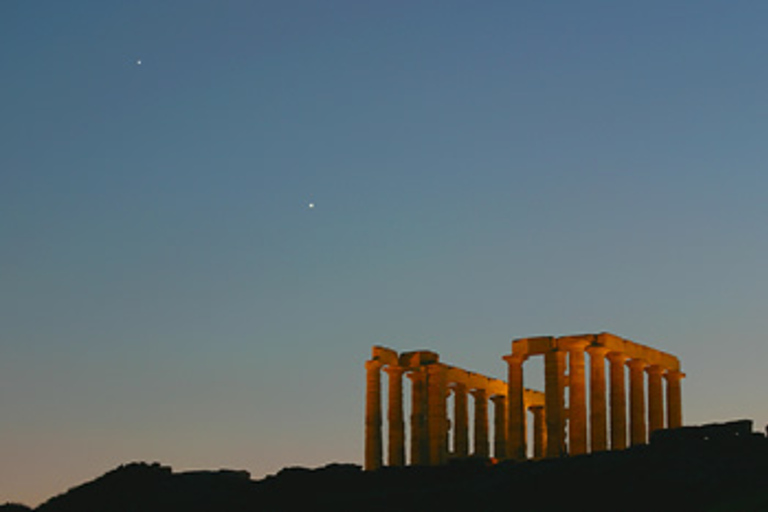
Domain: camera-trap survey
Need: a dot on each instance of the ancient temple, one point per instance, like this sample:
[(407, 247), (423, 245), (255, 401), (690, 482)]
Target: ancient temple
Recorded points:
[(564, 420)]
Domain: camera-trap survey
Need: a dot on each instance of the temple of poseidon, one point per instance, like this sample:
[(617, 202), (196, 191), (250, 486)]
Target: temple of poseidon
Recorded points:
[(565, 422)]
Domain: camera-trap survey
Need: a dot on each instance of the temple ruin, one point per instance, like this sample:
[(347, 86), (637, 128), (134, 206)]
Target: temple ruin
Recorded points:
[(564, 421)]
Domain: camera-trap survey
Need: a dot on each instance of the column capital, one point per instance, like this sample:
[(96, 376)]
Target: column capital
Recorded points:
[(637, 364), (416, 374), (617, 357), (534, 408), (515, 358), (597, 351), (655, 369), (674, 375), (395, 370), (478, 393), (373, 364), (498, 398), (457, 386)]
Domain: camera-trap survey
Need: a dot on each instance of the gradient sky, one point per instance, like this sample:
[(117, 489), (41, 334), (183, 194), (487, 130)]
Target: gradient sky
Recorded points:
[(481, 171)]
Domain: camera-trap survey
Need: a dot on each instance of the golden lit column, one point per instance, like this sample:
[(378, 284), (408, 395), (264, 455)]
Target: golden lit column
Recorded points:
[(618, 400), (419, 446), (674, 399), (539, 431), (515, 407), (437, 418), (499, 426), (577, 406), (461, 417), (554, 390), (481, 422), (637, 401), (598, 428), (396, 446), (655, 398), (373, 441)]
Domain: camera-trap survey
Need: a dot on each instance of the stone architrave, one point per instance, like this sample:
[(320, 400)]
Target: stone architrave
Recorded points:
[(618, 400), (499, 426), (554, 389), (481, 422), (674, 398), (516, 438), (373, 439), (637, 401), (396, 446), (655, 398), (598, 428)]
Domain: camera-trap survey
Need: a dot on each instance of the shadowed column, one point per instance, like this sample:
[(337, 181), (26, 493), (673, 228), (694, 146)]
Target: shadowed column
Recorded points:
[(419, 446), (674, 399), (461, 418), (598, 428), (577, 400), (396, 446), (539, 432), (499, 426), (437, 419), (516, 407), (481, 422), (554, 389), (618, 401), (655, 399), (373, 441), (637, 401)]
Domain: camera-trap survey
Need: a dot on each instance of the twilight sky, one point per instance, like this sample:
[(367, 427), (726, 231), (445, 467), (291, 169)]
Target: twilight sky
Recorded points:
[(481, 171)]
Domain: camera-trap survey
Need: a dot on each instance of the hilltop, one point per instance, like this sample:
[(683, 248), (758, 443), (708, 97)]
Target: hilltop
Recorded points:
[(712, 468)]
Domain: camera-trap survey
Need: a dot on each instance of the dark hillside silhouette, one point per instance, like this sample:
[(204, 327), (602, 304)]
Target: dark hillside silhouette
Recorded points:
[(712, 468)]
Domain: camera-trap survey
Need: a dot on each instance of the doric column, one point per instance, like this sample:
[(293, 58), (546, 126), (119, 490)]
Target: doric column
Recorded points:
[(655, 398), (437, 419), (396, 446), (481, 422), (373, 441), (598, 428), (515, 407), (637, 401), (461, 420), (499, 426), (554, 390), (577, 399), (539, 432), (674, 399), (618, 401), (419, 434)]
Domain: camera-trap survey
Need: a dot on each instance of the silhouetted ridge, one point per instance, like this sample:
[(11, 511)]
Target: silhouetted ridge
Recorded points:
[(14, 507), (711, 468)]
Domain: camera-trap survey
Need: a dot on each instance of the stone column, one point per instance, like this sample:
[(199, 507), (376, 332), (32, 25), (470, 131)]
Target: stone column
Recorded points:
[(481, 422), (373, 440), (577, 407), (461, 419), (419, 434), (674, 399), (598, 428), (516, 407), (655, 399), (499, 426), (437, 419), (618, 401), (396, 446), (554, 389), (637, 401), (539, 432)]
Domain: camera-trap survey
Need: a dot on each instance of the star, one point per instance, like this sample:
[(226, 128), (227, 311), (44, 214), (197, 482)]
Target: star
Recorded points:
[(138, 62), (311, 205)]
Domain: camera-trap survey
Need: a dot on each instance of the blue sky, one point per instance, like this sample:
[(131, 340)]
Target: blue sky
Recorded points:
[(481, 171)]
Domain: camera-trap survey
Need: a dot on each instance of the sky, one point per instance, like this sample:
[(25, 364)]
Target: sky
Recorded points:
[(480, 172)]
